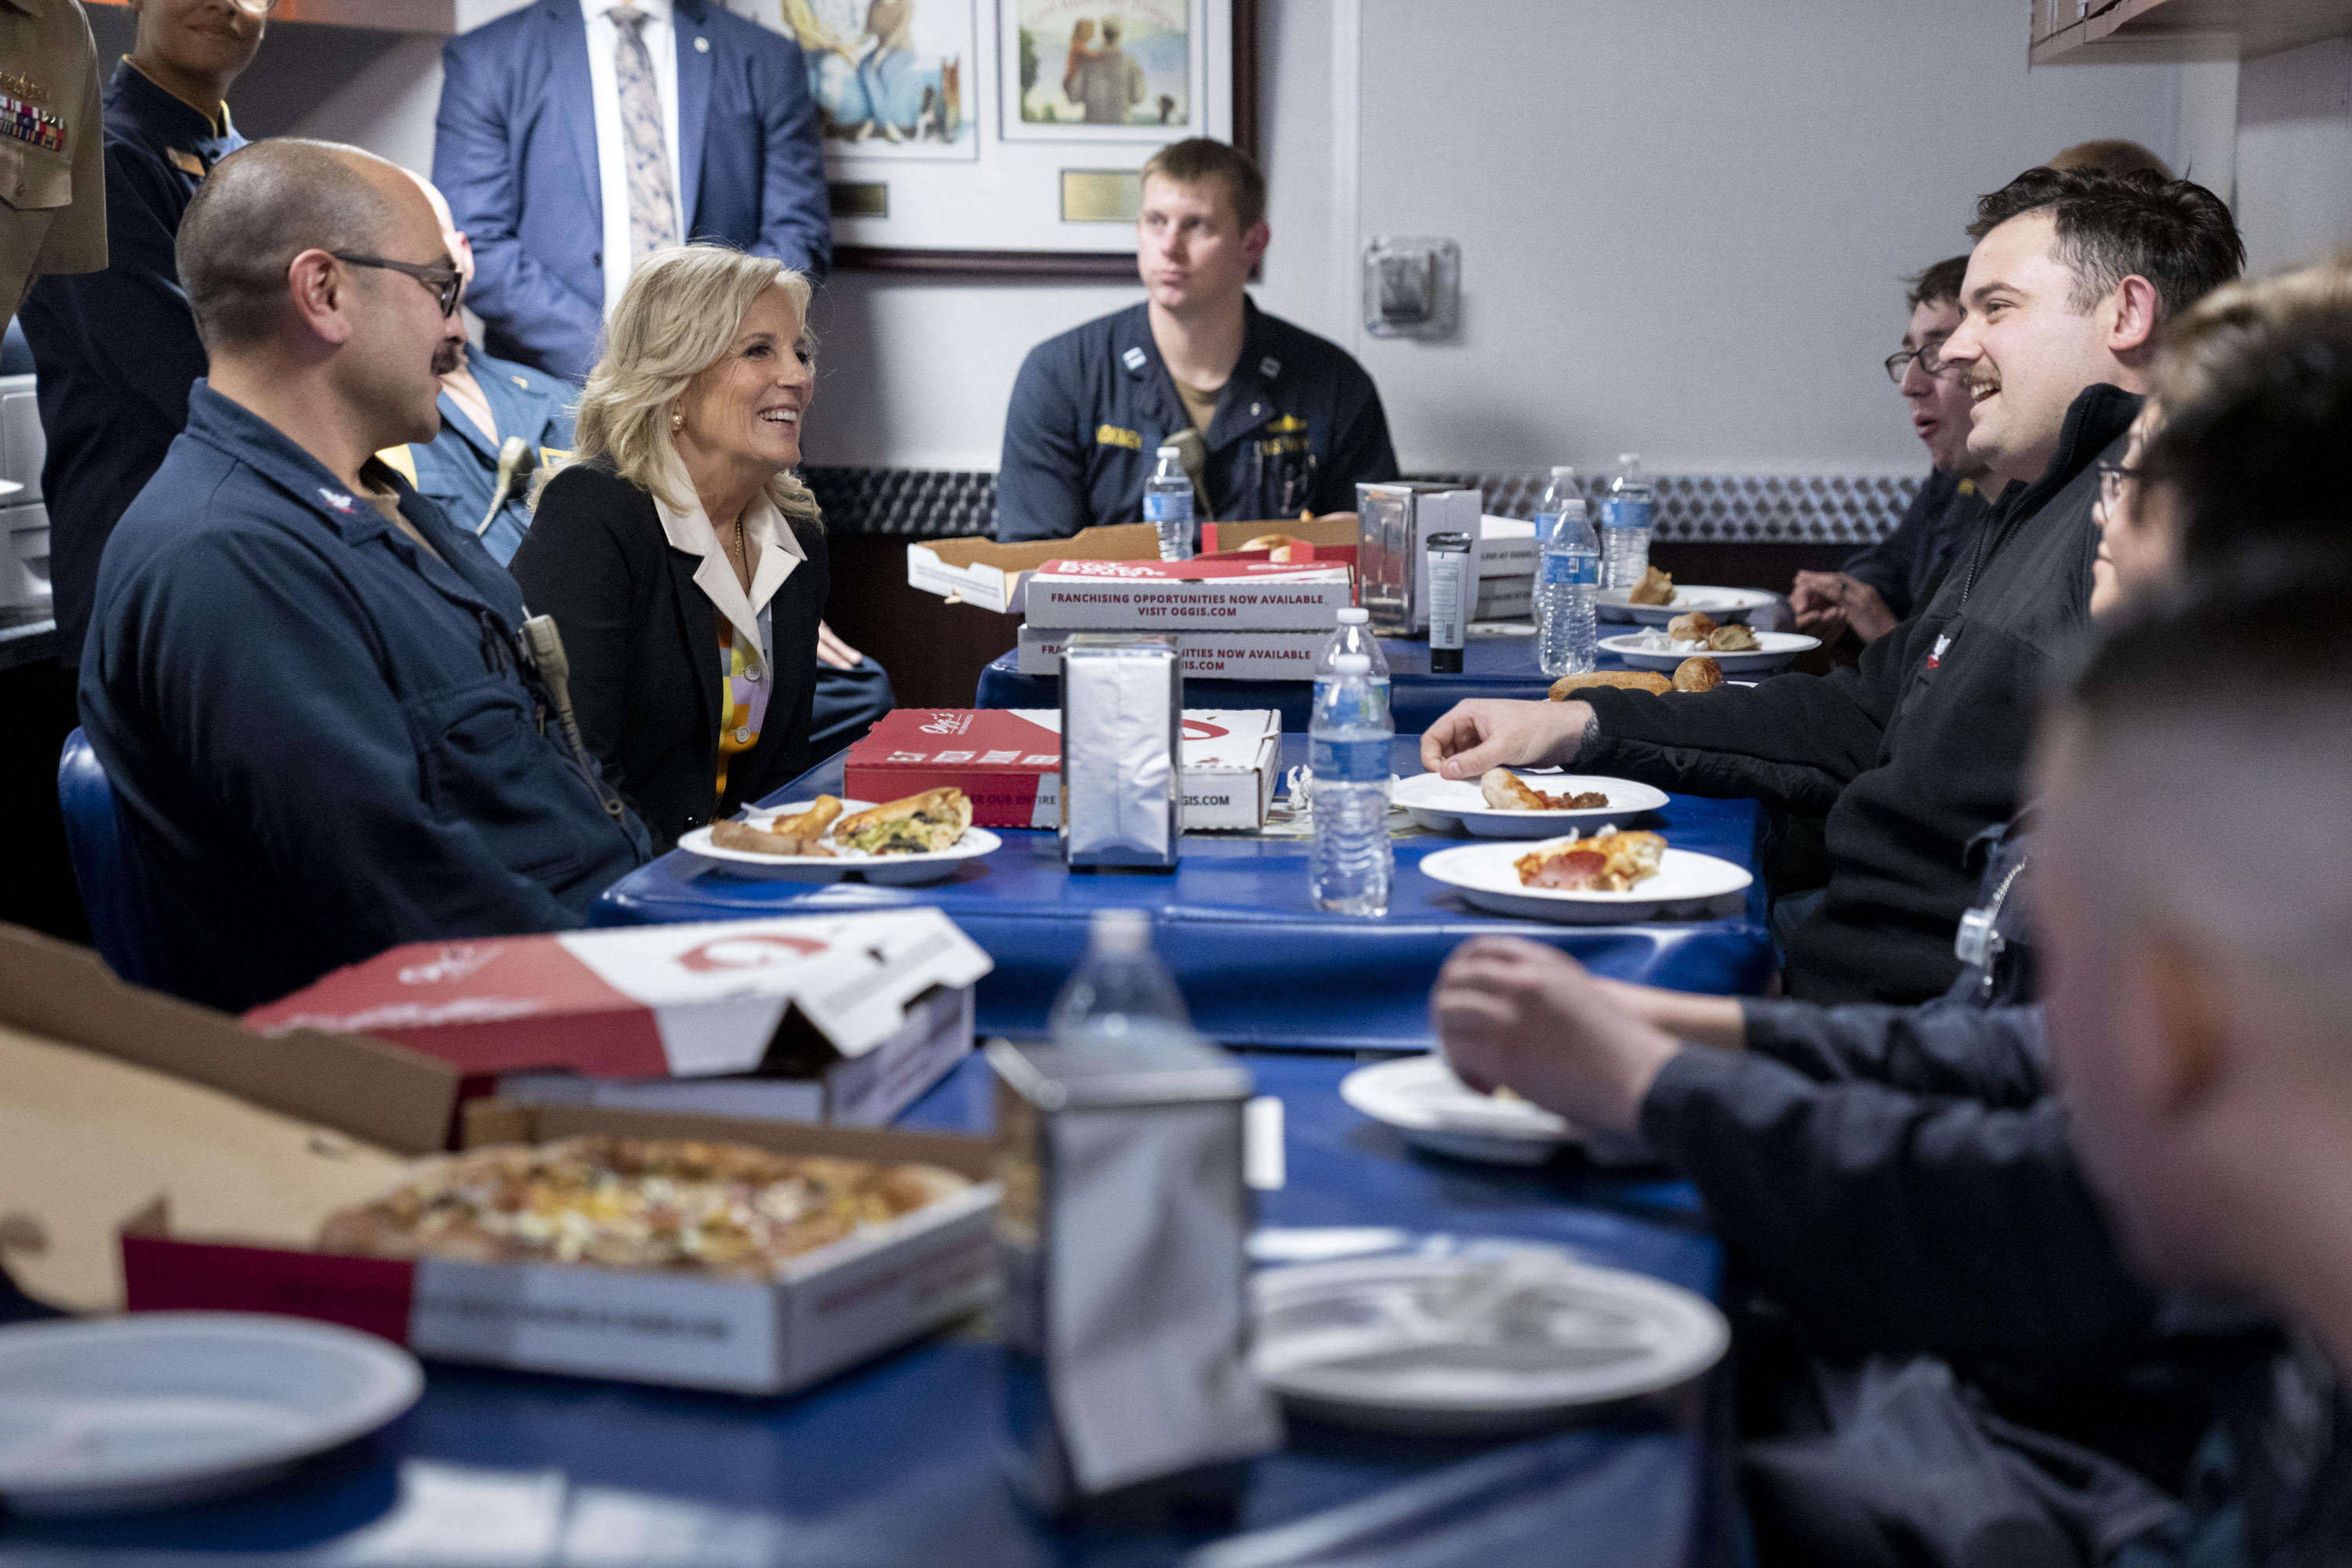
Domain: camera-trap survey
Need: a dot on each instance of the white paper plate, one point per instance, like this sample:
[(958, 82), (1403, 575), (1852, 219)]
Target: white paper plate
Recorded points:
[(162, 1408), (1688, 886), (1452, 805), (1774, 649), (891, 870), (1433, 1110), (1722, 604), (1369, 1343)]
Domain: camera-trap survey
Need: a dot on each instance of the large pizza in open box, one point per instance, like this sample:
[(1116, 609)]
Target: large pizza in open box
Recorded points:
[(634, 1203)]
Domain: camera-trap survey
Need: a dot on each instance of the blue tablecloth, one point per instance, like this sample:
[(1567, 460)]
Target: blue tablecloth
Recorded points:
[(1491, 667), (1259, 964), (893, 1463)]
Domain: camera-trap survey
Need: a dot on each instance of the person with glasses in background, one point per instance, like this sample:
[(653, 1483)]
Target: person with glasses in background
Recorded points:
[(116, 351), (302, 678), (1880, 586)]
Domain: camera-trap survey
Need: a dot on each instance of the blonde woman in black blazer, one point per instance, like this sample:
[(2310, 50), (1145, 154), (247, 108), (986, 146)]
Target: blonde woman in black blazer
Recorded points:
[(683, 561)]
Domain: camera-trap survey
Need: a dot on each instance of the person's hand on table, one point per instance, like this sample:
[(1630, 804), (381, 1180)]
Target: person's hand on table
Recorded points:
[(832, 651), (1696, 1020), (1497, 732), (1818, 601), (1866, 612), (1516, 1014)]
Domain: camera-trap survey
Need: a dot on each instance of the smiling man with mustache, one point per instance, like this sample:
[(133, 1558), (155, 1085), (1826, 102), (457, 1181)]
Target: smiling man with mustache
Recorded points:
[(1913, 755), (301, 676)]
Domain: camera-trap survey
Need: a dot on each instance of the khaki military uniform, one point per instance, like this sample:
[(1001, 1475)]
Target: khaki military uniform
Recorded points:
[(52, 146)]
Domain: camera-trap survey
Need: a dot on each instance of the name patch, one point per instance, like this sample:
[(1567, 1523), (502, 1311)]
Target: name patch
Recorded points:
[(1112, 436)]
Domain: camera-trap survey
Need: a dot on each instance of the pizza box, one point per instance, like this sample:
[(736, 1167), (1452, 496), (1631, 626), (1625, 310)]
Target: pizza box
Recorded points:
[(860, 1013), (976, 570), (1179, 595), (1008, 761), (823, 1312), (115, 1094), (1205, 654)]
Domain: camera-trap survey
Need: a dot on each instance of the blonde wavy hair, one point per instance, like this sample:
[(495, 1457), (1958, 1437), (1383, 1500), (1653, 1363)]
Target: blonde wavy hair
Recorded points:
[(681, 310)]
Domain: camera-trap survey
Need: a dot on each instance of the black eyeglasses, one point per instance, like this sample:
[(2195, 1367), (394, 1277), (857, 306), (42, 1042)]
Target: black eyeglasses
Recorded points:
[(2111, 482), (446, 283), (1925, 354)]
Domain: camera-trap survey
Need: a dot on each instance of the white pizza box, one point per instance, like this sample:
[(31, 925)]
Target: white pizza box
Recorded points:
[(1008, 761), (862, 1009), (1180, 596), (1205, 654), (1508, 546), (823, 1312), (976, 570)]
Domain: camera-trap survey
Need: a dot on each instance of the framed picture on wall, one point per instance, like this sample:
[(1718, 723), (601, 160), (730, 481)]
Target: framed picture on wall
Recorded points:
[(1005, 135)]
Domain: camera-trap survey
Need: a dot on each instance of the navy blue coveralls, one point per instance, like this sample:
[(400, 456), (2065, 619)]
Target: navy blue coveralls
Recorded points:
[(117, 350), (458, 469), (1296, 425), (316, 730)]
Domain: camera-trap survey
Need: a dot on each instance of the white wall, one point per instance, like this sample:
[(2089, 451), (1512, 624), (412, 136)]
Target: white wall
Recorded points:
[(1682, 222), (2295, 154)]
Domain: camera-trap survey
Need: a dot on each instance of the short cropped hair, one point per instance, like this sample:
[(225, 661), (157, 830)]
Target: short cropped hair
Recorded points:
[(259, 208), (2253, 387), (1201, 158), (2114, 155), (681, 310), (1938, 284), (2174, 233), (2211, 735)]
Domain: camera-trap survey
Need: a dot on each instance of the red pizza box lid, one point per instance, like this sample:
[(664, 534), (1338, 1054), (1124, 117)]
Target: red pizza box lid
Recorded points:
[(994, 739), (681, 1001)]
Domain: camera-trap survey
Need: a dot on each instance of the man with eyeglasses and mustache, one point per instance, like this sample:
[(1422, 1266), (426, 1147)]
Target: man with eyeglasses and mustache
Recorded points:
[(302, 676), (1882, 584), (1922, 747)]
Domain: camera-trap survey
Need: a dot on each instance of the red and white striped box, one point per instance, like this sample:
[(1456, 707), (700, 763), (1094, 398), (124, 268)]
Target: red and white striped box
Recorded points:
[(856, 1007), (1008, 763), (1175, 595)]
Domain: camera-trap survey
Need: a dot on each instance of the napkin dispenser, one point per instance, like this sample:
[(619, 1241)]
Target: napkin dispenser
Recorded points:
[(1122, 1235), (1122, 750), (1393, 522)]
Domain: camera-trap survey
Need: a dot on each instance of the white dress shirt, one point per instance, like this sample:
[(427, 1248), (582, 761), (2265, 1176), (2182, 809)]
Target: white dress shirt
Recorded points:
[(611, 146), (689, 529)]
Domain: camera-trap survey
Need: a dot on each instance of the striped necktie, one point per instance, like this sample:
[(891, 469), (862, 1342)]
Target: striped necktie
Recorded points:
[(652, 211)]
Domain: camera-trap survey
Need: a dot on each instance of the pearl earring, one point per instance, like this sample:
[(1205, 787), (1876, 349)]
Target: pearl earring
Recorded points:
[(677, 419)]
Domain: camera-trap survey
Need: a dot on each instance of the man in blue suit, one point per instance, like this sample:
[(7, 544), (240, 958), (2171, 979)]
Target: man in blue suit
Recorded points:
[(577, 136)]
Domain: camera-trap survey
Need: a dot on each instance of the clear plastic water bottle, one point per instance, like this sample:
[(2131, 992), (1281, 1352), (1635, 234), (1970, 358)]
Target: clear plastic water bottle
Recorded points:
[(1354, 635), (1120, 992), (1352, 863), (1557, 492), (1167, 505), (1625, 525), (1566, 578)]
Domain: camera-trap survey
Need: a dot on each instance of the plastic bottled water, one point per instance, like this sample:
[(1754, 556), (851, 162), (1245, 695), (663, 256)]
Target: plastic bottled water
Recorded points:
[(1625, 525), (1565, 581), (1120, 992), (1352, 863), (1354, 635), (1560, 490), (1167, 505)]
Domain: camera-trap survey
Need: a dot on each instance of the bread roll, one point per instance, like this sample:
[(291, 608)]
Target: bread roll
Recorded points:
[(1734, 639), (1627, 679), (1699, 674), (1692, 628), (1655, 588)]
